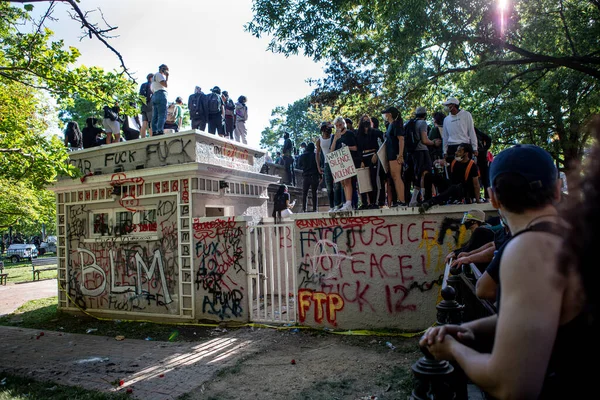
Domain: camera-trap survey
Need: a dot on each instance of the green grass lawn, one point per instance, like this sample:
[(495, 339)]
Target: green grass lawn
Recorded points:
[(21, 271), (43, 314)]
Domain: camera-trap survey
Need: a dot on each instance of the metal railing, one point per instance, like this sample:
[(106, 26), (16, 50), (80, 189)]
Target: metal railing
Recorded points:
[(271, 273), (441, 379)]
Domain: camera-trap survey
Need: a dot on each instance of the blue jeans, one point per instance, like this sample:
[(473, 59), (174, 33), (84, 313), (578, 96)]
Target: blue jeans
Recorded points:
[(159, 114)]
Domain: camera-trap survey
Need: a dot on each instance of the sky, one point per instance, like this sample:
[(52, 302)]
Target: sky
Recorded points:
[(203, 42)]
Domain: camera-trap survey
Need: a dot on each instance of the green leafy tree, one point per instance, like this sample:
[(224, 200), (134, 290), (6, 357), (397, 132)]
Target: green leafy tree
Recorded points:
[(32, 62), (516, 56), (29, 159), (301, 119), (35, 60)]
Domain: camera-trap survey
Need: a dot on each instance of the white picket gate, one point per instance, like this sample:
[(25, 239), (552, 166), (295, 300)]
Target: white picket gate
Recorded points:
[(271, 273)]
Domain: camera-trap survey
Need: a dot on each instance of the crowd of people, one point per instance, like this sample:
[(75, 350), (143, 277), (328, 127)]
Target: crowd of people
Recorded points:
[(410, 164), (215, 110)]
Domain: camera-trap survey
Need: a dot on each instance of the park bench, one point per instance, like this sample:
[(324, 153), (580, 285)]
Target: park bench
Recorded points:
[(36, 263), (3, 276)]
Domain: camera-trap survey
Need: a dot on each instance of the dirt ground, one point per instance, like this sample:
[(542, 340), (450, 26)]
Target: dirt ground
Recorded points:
[(316, 365)]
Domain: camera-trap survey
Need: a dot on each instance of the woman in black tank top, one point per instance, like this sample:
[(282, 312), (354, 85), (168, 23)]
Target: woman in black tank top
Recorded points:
[(542, 331)]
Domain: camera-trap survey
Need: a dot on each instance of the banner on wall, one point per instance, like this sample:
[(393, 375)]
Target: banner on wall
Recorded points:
[(341, 164)]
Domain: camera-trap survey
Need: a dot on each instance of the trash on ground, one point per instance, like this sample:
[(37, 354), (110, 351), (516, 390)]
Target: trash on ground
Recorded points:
[(173, 336), (90, 330), (148, 338), (120, 337), (3, 382), (293, 362), (390, 345), (92, 360)]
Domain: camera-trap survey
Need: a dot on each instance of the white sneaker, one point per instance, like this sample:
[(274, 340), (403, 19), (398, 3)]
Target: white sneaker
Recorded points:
[(346, 207), (331, 210)]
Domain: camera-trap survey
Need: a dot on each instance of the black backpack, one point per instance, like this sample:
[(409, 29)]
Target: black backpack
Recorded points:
[(214, 104), (195, 105), (411, 136)]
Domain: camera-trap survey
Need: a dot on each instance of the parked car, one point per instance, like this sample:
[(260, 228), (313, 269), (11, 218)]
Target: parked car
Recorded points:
[(47, 247), (17, 252)]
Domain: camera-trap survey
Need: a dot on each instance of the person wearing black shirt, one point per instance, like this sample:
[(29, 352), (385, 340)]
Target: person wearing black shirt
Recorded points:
[(307, 162), (481, 234), (394, 136), (368, 141), (464, 178), (90, 134), (287, 159), (73, 136), (146, 91)]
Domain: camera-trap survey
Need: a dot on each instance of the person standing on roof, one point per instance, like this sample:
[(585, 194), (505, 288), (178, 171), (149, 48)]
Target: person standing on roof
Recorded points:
[(214, 105), (229, 114), (146, 91), (241, 116), (159, 100)]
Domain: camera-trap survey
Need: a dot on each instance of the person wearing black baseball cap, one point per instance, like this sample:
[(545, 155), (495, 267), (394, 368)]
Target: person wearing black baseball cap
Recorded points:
[(542, 328)]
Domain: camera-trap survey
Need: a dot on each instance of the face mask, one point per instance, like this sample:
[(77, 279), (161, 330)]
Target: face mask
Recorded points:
[(459, 159)]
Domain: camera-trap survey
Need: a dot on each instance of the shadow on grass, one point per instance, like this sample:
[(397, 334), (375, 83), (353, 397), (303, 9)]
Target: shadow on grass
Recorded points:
[(43, 314), (14, 387)]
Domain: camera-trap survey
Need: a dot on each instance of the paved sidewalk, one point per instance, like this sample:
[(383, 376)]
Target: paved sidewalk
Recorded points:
[(13, 296), (153, 370)]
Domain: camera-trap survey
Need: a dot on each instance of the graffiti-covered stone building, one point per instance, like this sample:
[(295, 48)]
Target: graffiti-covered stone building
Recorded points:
[(176, 228)]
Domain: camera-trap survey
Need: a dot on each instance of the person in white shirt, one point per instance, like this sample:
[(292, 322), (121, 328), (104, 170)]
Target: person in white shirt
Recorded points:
[(159, 100), (458, 128)]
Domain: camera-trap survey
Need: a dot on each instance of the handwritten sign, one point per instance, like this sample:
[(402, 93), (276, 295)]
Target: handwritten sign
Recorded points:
[(341, 164)]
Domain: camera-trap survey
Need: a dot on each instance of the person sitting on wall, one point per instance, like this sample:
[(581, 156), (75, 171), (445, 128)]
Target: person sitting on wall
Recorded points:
[(464, 176), (91, 134), (281, 203), (481, 235), (487, 286)]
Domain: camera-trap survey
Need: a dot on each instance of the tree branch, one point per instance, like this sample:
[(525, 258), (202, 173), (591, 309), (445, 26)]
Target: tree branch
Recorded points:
[(574, 62), (564, 21), (17, 151), (91, 28), (545, 70)]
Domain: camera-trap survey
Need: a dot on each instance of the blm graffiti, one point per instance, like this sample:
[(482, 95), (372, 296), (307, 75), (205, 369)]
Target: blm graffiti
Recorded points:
[(220, 276), (122, 272), (368, 268)]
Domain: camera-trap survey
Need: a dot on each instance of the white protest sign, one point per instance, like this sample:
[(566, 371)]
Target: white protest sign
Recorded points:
[(364, 180), (382, 155), (341, 164)]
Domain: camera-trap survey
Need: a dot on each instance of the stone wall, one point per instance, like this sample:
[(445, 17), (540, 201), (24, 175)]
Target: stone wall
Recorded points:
[(374, 269)]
